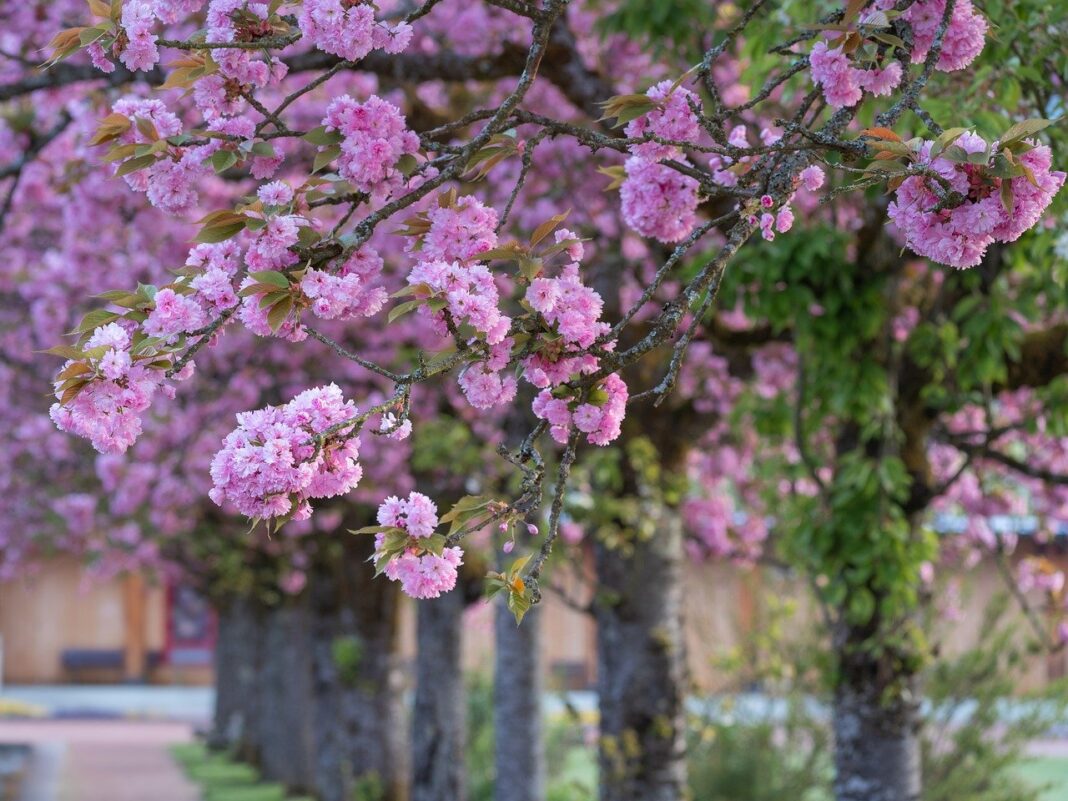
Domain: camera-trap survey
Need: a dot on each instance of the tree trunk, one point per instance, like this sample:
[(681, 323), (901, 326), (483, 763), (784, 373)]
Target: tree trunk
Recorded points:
[(641, 670), (438, 714), (357, 700), (285, 716), (877, 742), (517, 707), (237, 667), (227, 663)]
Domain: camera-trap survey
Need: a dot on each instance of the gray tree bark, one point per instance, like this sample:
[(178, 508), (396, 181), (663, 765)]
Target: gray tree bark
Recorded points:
[(359, 729), (227, 663), (237, 674), (439, 714), (877, 738), (517, 713), (641, 674), (285, 736)]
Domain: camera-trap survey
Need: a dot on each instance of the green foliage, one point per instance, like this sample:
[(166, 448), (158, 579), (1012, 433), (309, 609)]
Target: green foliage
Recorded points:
[(968, 751), (853, 537), (347, 653), (479, 754), (732, 759), (613, 490), (445, 441), (975, 723), (570, 762), (667, 26), (369, 787)]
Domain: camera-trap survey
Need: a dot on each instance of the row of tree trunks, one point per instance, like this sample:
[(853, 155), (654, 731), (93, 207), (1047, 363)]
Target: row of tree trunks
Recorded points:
[(288, 702)]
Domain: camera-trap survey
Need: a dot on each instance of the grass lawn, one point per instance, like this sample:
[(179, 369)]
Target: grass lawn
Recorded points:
[(223, 780), (1052, 771)]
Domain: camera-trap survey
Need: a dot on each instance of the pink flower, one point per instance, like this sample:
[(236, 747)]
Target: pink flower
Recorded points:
[(272, 464), (375, 136), (174, 314), (276, 193), (812, 177), (831, 70), (658, 201), (959, 236), (673, 118)]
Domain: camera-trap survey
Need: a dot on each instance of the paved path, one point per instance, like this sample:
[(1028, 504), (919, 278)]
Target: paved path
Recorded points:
[(95, 760), (192, 704)]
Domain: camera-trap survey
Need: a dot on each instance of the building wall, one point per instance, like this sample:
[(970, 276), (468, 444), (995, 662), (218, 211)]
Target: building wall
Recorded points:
[(59, 609)]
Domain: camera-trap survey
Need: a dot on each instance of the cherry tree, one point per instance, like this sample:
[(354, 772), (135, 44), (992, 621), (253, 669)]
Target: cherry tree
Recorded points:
[(500, 282)]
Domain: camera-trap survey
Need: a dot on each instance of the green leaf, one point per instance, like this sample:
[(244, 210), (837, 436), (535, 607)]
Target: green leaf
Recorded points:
[(95, 319), (264, 149), (133, 165), (1008, 200), (366, 530), (547, 227), (66, 351), (518, 603), (324, 157), (320, 136), (407, 164), (947, 138), (403, 309), (272, 298), (272, 277), (222, 160), (1022, 130), (434, 543), (465, 504), (220, 233), (278, 314)]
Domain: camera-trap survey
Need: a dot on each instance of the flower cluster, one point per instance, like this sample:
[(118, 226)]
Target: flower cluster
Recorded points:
[(374, 138), (469, 293), (843, 84), (720, 532), (215, 265), (348, 294), (242, 21), (962, 41), (349, 30), (958, 235), (572, 313), (658, 201), (568, 305), (140, 51), (175, 314), (460, 230), (599, 416), (484, 383), (404, 552), (115, 390), (673, 119), (169, 183), (1039, 574), (279, 457)]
